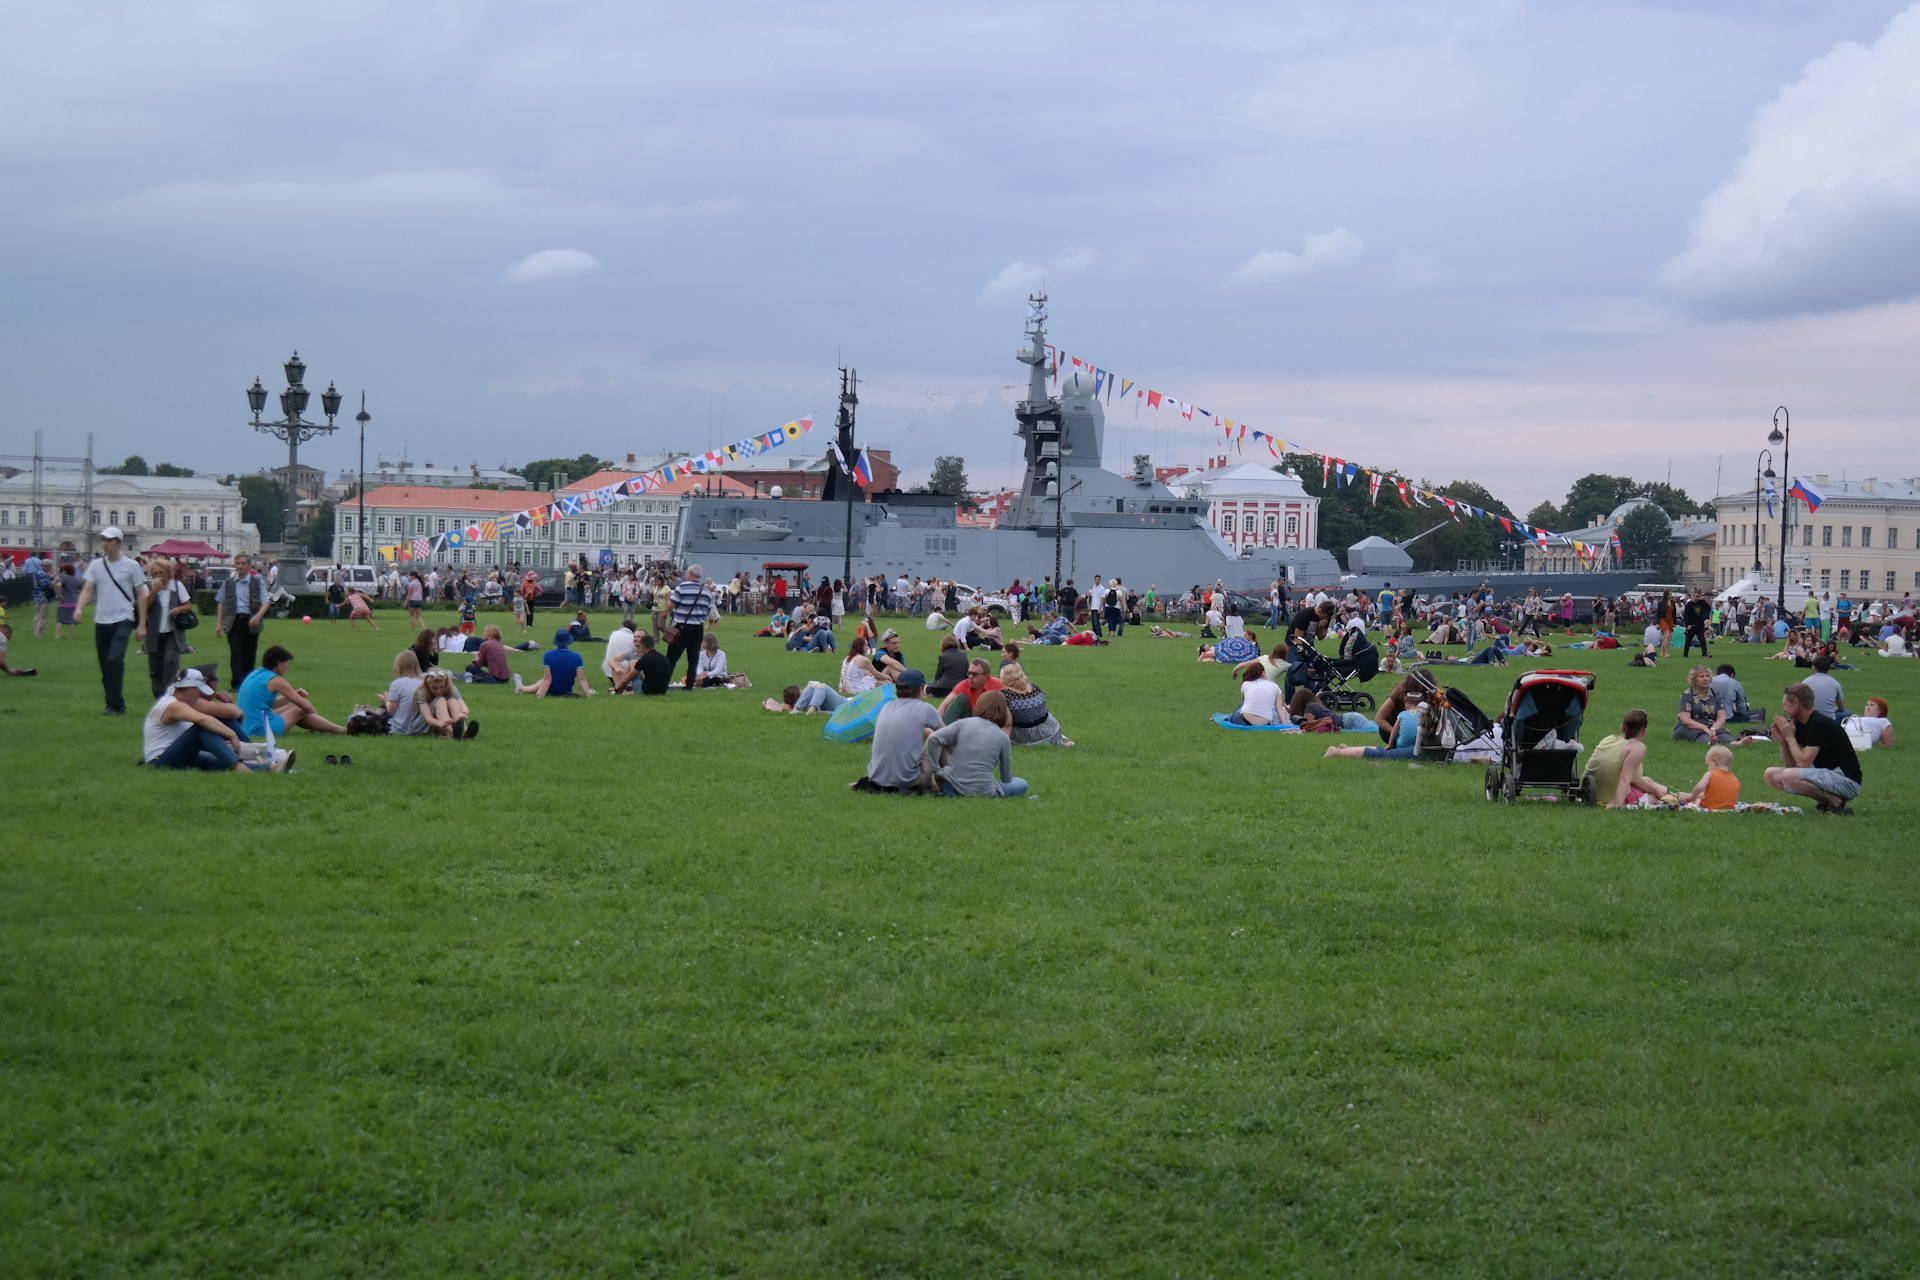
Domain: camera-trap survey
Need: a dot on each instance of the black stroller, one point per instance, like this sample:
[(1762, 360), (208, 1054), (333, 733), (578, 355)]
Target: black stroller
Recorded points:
[(1333, 679), (1539, 737), (1456, 722)]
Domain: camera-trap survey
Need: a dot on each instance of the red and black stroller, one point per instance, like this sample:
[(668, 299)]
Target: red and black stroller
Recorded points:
[(1540, 737)]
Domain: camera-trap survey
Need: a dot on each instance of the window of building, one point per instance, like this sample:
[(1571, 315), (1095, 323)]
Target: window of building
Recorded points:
[(346, 524), (1293, 526), (486, 555), (440, 525), (633, 533), (1706, 563), (1806, 535), (1272, 523), (1826, 579), (6, 515), (203, 524), (159, 517), (113, 516), (1226, 526), (1889, 579), (380, 524), (1846, 576), (1866, 536), (220, 522), (96, 517), (1826, 535), (1846, 535), (599, 531), (1893, 539), (66, 517)]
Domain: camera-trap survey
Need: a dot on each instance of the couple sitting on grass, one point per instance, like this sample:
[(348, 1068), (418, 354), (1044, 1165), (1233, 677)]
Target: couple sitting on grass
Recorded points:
[(914, 753), (190, 726)]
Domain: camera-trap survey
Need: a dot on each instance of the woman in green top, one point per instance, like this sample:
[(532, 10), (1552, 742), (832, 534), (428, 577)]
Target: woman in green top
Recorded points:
[(1615, 764)]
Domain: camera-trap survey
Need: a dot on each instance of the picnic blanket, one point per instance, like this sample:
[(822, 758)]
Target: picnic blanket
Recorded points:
[(1220, 718), (1672, 805), (1235, 649), (853, 722)]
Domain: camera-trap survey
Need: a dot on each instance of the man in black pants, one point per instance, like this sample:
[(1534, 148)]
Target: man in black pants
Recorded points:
[(116, 586), (687, 612), (1696, 614), (240, 612)]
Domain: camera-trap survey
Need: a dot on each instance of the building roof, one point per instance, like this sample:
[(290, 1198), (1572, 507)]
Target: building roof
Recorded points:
[(434, 498), (671, 489), (1254, 480), (1891, 493), (18, 487)]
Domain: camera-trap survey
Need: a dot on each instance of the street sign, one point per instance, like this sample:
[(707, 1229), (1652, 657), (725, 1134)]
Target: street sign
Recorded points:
[(1799, 559)]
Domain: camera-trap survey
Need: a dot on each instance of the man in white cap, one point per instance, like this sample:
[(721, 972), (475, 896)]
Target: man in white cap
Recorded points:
[(188, 729), (117, 588)]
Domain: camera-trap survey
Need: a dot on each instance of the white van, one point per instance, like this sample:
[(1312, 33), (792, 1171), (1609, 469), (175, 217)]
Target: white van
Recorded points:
[(360, 577)]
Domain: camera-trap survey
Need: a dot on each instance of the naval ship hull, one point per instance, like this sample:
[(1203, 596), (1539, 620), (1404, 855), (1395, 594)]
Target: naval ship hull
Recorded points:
[(1170, 554)]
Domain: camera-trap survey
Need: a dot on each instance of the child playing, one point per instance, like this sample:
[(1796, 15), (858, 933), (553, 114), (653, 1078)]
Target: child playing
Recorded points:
[(466, 616), (519, 612), (1717, 788), (6, 634)]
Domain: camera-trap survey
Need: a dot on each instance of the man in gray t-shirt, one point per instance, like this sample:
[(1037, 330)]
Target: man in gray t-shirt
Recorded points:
[(899, 731), (1827, 697)]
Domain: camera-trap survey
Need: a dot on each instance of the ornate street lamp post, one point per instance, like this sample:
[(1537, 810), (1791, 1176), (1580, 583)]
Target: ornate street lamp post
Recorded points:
[(1765, 458), (363, 417), (1782, 437), (293, 429)]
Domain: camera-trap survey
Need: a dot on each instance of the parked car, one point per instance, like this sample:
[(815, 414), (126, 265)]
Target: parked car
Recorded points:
[(991, 601)]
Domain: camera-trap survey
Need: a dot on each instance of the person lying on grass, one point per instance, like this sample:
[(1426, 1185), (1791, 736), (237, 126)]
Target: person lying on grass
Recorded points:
[(565, 673), (1406, 733), (1874, 722), (1615, 765), (189, 729), (1161, 633), (1052, 630), (965, 756), (443, 709), (267, 697), (1314, 716)]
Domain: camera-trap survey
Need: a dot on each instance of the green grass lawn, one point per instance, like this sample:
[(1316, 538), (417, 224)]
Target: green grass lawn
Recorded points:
[(638, 987)]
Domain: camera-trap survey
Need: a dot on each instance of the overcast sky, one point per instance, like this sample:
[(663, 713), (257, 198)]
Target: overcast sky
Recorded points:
[(1514, 242)]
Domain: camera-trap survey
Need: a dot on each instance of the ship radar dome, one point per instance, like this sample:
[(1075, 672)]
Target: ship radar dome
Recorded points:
[(1076, 383)]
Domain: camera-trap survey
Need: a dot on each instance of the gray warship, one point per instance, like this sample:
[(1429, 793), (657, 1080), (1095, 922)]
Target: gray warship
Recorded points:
[(1071, 513)]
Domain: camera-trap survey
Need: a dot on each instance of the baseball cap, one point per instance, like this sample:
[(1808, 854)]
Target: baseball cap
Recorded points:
[(194, 680), (111, 531), (910, 679), (563, 637)]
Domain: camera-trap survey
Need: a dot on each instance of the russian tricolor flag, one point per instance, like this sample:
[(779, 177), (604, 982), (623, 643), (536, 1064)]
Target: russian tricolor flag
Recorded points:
[(862, 470), (1806, 493)]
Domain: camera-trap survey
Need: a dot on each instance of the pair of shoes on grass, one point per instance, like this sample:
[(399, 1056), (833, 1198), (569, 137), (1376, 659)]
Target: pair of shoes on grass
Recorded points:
[(339, 760)]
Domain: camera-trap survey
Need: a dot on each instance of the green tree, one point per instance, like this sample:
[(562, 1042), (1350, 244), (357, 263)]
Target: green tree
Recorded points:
[(169, 469), (1592, 497), (135, 465), (263, 504), (949, 476), (1547, 516), (1644, 535), (541, 471), (1674, 502), (319, 530)]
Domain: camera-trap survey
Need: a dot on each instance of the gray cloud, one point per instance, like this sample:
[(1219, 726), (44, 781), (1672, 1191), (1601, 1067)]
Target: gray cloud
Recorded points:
[(551, 264)]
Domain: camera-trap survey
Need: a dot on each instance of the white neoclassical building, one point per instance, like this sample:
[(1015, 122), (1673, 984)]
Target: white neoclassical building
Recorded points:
[(1252, 505), (147, 509)]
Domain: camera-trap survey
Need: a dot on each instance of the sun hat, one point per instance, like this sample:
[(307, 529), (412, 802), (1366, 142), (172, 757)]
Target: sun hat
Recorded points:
[(563, 637)]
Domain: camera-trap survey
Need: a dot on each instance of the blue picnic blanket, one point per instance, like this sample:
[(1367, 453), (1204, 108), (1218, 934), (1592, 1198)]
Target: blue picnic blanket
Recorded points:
[(1220, 718)]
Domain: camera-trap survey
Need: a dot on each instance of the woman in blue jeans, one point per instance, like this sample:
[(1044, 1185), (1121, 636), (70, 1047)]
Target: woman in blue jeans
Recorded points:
[(1406, 734)]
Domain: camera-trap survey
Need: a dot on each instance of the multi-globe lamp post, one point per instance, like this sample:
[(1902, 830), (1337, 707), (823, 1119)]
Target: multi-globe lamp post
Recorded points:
[(1782, 438), (293, 429), (1765, 459)]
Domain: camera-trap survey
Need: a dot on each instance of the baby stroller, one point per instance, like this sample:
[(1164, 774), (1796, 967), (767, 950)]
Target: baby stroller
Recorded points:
[(1333, 679), (1540, 735), (1455, 722)]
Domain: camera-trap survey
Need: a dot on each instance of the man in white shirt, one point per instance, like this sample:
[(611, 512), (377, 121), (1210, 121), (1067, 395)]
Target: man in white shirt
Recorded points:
[(621, 647), (1097, 605), (117, 589)]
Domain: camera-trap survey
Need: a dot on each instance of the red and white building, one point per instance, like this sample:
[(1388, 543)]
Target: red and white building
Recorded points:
[(1252, 505)]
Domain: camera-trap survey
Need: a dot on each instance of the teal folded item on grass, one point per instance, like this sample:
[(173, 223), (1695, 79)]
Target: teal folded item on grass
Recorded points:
[(1220, 718), (853, 722)]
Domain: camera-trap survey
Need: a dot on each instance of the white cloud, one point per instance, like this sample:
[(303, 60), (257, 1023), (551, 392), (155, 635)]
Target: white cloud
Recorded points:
[(1823, 210), (551, 264), (1018, 279), (1319, 251)]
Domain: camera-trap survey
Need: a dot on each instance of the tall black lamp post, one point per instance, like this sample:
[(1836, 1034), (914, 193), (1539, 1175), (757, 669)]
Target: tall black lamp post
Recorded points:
[(1765, 459), (1782, 437), (363, 417), (293, 429)]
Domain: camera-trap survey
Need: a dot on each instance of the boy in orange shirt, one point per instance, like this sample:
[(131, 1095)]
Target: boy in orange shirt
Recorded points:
[(1717, 788)]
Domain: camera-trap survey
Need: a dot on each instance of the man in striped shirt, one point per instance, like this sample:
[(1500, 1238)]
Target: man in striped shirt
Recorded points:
[(687, 610)]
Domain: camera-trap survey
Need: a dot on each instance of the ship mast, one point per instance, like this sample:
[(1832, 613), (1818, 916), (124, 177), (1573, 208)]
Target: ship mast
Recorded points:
[(843, 424), (1039, 416)]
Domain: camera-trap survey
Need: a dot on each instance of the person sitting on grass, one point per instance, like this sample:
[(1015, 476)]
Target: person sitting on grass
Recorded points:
[(565, 673), (620, 644), (267, 697), (711, 673), (489, 665), (403, 708), (950, 668), (776, 625), (188, 729), (450, 640), (1615, 765), (442, 708), (425, 647), (977, 630), (1052, 630), (1817, 759), (900, 733), (1033, 724), (1259, 698), (1406, 733), (6, 634), (960, 703), (1718, 788), (889, 659), (1702, 717), (966, 755), (648, 667), (582, 632), (812, 635)]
